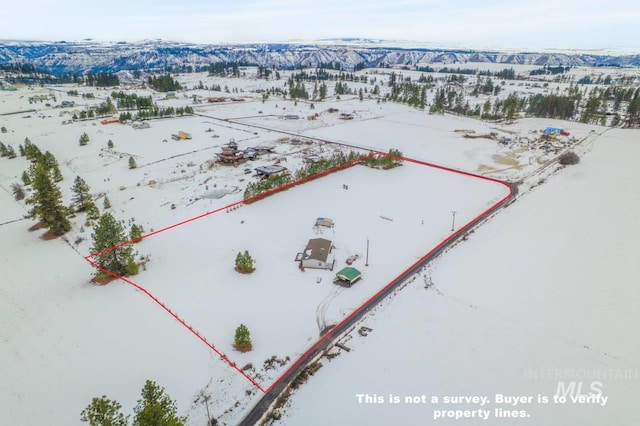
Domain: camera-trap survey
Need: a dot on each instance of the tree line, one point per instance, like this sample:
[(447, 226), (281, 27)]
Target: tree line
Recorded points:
[(164, 83)]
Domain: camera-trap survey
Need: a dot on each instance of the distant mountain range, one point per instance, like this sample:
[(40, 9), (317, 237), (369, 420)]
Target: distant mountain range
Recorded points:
[(81, 57)]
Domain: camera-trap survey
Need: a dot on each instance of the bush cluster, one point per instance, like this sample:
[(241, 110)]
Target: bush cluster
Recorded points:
[(569, 158)]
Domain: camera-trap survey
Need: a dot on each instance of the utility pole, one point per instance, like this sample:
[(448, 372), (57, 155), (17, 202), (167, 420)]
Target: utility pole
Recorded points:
[(367, 261), (206, 402), (453, 221)]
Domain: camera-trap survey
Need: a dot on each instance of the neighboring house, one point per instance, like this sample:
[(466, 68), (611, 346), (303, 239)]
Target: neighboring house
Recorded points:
[(317, 255)]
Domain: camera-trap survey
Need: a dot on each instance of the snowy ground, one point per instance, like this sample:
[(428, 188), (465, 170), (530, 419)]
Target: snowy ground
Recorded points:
[(67, 336), (532, 299), (192, 265)]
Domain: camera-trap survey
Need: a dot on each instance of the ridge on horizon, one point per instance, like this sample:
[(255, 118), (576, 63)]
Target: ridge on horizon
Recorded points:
[(355, 42), (88, 55)]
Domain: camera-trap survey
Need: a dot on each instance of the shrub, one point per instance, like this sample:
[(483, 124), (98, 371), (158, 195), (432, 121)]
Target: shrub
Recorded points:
[(569, 158), (18, 191), (244, 263), (136, 233), (242, 340), (84, 139), (132, 268)]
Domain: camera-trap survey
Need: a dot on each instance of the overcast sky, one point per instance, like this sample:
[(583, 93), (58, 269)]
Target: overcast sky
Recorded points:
[(533, 24)]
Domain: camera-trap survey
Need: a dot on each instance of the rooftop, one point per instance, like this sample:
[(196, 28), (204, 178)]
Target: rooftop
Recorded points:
[(318, 249)]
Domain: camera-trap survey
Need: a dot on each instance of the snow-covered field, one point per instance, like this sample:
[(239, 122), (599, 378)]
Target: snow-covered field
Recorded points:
[(65, 337), (544, 293), (403, 212)]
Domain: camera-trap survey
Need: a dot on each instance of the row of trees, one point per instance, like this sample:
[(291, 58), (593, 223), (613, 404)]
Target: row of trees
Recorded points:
[(145, 114), (47, 207), (384, 162), (321, 74), (264, 185), (164, 83), (132, 101), (224, 69), (276, 181), (102, 79), (505, 74)]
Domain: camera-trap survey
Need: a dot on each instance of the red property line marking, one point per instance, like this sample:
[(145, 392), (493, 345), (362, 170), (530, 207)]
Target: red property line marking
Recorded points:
[(177, 318), (265, 194), (437, 247), (165, 307)]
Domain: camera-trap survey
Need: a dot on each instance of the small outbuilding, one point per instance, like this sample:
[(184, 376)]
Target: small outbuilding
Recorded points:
[(272, 170), (347, 276), (552, 131), (324, 221), (110, 120), (141, 125)]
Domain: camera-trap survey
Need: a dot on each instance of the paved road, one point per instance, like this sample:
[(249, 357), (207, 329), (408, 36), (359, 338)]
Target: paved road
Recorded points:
[(284, 132)]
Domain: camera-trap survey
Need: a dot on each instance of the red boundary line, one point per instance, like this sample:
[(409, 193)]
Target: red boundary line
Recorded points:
[(265, 194), (443, 242)]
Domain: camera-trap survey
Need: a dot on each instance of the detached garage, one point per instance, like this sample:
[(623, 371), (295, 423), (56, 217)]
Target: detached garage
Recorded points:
[(347, 276)]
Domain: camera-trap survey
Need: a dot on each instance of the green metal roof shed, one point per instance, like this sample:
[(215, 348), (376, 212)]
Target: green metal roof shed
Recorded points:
[(349, 275)]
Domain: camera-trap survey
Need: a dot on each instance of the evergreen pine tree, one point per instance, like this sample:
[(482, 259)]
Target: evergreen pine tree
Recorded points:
[(32, 152), (26, 179), (47, 201), (21, 149), (84, 139), (156, 408), (109, 233), (92, 211), (3, 150), (11, 153), (132, 163), (107, 203), (52, 164), (136, 232), (242, 340), (103, 412), (57, 176), (110, 144), (81, 194), (244, 262)]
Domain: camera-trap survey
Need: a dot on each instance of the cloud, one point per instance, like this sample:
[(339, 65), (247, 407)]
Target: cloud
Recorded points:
[(543, 23)]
